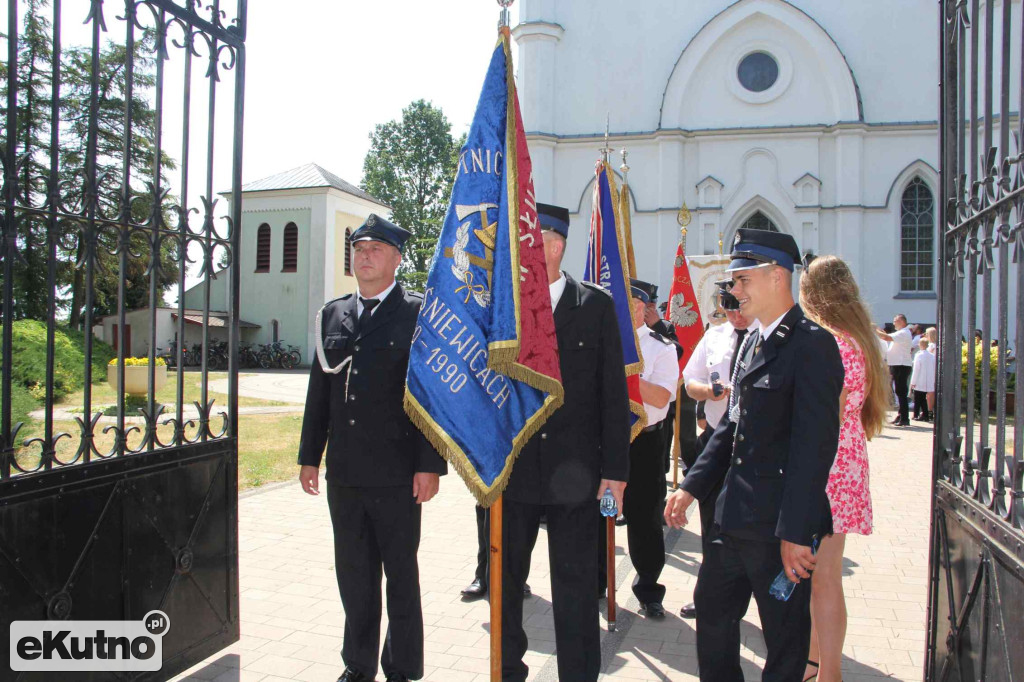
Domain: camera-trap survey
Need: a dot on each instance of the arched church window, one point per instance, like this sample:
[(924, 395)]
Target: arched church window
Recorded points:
[(263, 248), (291, 247), (348, 251), (917, 232), (759, 221), (758, 71)]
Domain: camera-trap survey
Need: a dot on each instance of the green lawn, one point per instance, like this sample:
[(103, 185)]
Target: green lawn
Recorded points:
[(268, 443)]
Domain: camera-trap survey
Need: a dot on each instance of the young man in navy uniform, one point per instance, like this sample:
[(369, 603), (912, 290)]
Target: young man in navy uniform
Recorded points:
[(563, 471), (380, 468), (774, 447)]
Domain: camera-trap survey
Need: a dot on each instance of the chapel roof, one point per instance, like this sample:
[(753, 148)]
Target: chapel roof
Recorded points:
[(305, 177)]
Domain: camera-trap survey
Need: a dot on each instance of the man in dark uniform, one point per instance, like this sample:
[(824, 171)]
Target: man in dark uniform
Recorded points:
[(563, 471), (380, 468), (645, 494), (774, 447)]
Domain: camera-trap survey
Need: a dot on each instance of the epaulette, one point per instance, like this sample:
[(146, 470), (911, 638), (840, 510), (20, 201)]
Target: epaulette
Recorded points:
[(811, 327), (596, 287), (664, 339), (336, 300)]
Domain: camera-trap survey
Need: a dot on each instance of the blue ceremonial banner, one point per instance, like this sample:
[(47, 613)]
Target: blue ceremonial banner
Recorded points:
[(605, 267), (483, 369)]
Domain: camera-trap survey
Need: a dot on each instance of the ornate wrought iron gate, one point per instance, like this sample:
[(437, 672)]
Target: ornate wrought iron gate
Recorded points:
[(114, 136), (976, 587)]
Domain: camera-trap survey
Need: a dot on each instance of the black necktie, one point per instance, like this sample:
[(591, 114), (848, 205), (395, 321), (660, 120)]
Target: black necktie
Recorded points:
[(740, 333), (368, 305)]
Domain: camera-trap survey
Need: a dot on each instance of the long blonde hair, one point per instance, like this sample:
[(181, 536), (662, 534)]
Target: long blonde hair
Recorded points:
[(829, 295)]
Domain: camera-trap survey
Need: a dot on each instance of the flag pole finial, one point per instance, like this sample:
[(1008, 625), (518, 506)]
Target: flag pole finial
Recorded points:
[(720, 243), (503, 19), (606, 150), (683, 218), (625, 166)]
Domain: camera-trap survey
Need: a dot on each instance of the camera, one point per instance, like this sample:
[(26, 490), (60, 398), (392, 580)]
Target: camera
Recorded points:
[(725, 297), (716, 384)]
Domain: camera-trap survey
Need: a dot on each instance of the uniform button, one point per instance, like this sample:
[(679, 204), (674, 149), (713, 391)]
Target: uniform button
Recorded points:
[(543, 436), (391, 343), (781, 471), (355, 371), (351, 398), (357, 349), (739, 460), (741, 439), (351, 422), (581, 343), (743, 412)]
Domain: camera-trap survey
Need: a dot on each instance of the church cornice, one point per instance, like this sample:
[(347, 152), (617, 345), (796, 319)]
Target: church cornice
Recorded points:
[(274, 210)]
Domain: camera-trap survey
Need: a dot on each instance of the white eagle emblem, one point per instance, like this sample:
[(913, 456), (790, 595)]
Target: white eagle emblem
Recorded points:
[(371, 221), (682, 313)]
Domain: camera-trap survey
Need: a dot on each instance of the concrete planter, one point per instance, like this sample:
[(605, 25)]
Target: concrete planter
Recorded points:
[(136, 378)]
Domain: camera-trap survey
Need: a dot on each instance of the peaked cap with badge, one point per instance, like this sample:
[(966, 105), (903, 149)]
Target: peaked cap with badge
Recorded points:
[(380, 230), (553, 218), (760, 248)]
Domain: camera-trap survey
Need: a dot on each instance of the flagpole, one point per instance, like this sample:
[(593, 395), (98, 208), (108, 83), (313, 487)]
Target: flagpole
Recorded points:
[(683, 218), (494, 587)]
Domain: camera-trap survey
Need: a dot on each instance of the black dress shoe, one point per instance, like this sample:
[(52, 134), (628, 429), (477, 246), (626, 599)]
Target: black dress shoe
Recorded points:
[(396, 677), (688, 611), (527, 592), (654, 610), (353, 675), (620, 520), (475, 590)]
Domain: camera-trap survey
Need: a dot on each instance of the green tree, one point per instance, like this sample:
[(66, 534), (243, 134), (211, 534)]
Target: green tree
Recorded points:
[(411, 167), (34, 70)]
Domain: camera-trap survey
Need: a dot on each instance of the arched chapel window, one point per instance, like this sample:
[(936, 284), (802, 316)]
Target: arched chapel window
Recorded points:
[(263, 248), (291, 248), (759, 221), (348, 251), (917, 238)]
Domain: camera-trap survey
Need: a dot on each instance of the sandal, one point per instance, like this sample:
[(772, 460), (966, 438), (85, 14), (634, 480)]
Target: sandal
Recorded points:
[(815, 666)]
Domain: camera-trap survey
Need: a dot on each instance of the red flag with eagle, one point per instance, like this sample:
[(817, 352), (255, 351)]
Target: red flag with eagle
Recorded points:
[(683, 310)]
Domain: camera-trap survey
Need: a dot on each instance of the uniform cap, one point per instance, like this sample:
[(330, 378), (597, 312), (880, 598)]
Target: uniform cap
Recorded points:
[(554, 218), (650, 290), (758, 248), (380, 230)]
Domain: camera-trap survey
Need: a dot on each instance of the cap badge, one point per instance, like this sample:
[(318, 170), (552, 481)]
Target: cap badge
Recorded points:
[(372, 220)]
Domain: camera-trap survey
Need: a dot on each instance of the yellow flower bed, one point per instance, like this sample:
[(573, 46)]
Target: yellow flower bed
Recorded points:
[(138, 362)]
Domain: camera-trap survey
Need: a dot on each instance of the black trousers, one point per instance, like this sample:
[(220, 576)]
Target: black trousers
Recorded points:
[(731, 571), (921, 405), (901, 382), (483, 543), (375, 529), (644, 504), (572, 541)]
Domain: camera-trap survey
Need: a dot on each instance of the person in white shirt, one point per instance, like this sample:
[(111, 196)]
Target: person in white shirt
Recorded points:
[(922, 381), (644, 497), (708, 377), (898, 356)]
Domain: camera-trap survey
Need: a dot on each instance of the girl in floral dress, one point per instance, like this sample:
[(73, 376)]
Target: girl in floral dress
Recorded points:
[(830, 296)]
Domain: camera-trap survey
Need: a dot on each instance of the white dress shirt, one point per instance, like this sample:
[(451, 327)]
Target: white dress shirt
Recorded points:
[(380, 298), (713, 354), (557, 288), (898, 350), (661, 368)]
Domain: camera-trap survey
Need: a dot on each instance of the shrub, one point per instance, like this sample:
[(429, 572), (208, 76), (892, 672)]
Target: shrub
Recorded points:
[(979, 363), (28, 368)]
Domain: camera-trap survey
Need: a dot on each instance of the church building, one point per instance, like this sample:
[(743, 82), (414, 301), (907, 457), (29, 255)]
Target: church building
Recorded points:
[(818, 119)]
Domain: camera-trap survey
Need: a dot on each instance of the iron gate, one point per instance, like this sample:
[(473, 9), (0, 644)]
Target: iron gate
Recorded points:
[(976, 586), (114, 137)]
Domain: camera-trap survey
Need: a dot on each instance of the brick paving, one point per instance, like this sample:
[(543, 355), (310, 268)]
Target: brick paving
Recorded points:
[(292, 620)]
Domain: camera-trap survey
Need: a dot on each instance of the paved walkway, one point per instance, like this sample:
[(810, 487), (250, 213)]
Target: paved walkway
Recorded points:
[(292, 618)]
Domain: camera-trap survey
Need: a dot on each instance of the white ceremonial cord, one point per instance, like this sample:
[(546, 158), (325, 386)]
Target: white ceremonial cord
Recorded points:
[(320, 348)]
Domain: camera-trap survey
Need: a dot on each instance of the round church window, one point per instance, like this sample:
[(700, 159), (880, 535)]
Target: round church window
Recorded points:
[(758, 71)]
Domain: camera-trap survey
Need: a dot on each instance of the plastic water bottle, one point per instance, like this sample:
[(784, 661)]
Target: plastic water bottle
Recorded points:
[(608, 506), (782, 587)]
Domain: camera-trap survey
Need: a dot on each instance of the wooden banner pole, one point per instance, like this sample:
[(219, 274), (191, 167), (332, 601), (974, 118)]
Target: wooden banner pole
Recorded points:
[(610, 529), (494, 591)]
